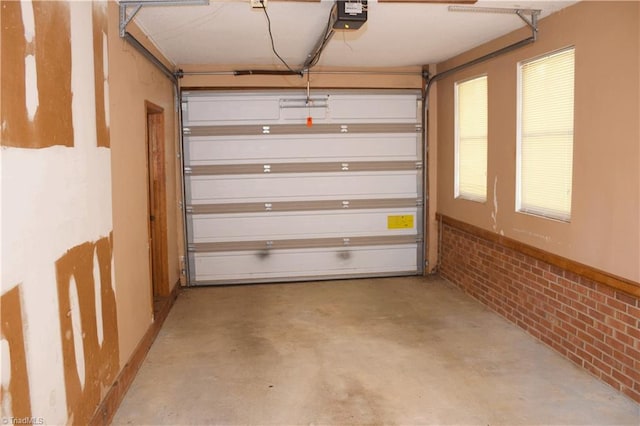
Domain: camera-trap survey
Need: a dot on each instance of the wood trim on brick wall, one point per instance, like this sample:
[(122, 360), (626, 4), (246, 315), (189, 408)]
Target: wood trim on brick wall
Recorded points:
[(613, 281), (109, 405)]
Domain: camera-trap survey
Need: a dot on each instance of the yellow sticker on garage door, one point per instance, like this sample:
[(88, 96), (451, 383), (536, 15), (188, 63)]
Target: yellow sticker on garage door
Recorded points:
[(400, 222)]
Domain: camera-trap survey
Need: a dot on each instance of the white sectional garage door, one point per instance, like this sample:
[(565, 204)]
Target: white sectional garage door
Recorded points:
[(271, 197)]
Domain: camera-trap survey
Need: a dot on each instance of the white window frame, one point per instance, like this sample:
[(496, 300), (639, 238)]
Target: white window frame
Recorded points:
[(545, 212), (457, 191)]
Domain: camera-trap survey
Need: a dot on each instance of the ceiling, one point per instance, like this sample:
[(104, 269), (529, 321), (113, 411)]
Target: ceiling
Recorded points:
[(395, 35)]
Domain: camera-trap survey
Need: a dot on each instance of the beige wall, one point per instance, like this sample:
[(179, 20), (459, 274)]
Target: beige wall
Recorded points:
[(134, 80), (604, 231)]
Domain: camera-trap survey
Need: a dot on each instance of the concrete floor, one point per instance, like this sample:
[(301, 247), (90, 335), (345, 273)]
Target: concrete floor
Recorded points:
[(386, 351)]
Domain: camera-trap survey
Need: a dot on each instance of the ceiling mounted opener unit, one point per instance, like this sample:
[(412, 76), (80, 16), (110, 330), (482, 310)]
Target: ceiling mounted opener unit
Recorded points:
[(351, 15)]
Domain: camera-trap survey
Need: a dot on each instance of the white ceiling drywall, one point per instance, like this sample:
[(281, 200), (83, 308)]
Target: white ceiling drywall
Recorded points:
[(395, 35)]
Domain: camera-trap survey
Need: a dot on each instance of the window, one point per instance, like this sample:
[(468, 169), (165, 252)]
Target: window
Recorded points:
[(471, 139), (545, 135)]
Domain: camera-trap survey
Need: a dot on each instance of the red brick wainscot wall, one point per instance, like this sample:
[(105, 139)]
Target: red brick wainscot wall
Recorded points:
[(588, 316)]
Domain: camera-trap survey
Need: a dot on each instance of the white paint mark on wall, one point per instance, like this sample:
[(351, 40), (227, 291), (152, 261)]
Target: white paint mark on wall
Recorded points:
[(105, 65), (31, 75), (28, 20), (5, 379), (98, 297), (113, 275), (31, 85), (76, 325), (83, 104), (37, 275), (546, 238), (494, 213)]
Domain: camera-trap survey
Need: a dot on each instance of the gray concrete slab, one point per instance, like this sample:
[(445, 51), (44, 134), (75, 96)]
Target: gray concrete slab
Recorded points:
[(403, 351)]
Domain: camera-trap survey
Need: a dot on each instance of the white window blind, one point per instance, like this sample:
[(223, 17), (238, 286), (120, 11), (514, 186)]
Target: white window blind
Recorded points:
[(545, 140), (471, 139)]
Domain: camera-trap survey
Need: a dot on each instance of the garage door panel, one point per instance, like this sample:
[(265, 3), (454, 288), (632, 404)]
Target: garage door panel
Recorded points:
[(388, 108), (251, 188), (217, 110), (279, 108), (304, 263), (249, 149), (268, 226)]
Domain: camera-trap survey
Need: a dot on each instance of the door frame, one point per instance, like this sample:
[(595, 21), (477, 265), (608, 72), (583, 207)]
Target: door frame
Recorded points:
[(157, 199)]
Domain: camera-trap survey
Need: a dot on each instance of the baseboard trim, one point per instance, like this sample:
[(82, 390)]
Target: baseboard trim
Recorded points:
[(109, 405), (613, 281)]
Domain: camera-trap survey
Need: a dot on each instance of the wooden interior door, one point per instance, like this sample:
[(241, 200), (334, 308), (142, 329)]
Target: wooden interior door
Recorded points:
[(157, 200)]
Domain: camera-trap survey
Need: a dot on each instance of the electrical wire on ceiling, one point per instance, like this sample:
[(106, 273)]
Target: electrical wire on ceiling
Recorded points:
[(273, 45), (312, 58), (328, 33)]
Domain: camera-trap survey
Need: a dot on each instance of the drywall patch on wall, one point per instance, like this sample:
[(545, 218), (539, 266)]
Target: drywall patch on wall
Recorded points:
[(105, 70), (31, 86), (5, 378), (31, 74), (100, 70), (59, 197), (76, 335), (90, 365), (35, 78), (83, 74), (98, 295), (28, 20), (16, 399)]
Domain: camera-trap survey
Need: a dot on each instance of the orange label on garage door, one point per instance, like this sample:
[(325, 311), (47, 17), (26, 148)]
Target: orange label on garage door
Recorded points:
[(400, 222)]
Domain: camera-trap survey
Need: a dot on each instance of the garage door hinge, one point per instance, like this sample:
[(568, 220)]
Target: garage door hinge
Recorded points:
[(419, 165), (419, 240), (418, 127), (419, 202), (184, 106), (186, 131), (189, 209), (187, 170)]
